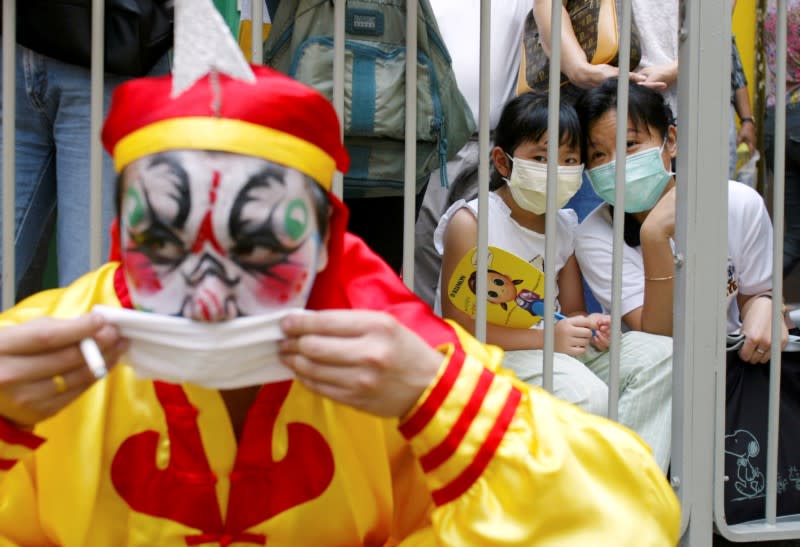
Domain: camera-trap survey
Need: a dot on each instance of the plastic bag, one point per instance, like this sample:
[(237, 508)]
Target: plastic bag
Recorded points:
[(747, 170)]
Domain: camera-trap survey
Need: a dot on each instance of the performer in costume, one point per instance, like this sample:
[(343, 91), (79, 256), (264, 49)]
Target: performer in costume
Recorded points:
[(399, 428)]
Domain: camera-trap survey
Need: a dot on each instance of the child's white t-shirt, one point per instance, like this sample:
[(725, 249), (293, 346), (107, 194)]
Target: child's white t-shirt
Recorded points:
[(507, 234)]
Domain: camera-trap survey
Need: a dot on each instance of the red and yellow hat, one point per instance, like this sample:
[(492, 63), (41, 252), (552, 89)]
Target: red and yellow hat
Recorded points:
[(274, 117)]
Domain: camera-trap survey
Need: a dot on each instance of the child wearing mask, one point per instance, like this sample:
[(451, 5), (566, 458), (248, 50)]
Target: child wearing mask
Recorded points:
[(517, 224)]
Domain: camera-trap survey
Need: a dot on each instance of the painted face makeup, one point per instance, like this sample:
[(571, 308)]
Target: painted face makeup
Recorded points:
[(214, 236)]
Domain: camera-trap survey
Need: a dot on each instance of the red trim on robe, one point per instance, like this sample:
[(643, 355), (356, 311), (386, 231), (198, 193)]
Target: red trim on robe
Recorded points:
[(425, 413), (5, 465), (438, 455), (10, 434), (467, 478), (121, 288)]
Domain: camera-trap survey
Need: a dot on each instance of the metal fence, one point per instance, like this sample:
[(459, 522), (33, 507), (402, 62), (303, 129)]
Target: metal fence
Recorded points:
[(697, 468)]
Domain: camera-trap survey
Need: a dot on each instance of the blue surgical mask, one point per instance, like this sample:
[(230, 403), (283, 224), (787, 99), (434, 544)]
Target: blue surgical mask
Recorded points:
[(645, 180)]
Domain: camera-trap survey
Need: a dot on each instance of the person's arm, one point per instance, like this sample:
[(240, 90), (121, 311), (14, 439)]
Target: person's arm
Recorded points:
[(747, 124), (574, 64), (752, 257), (570, 288), (659, 267), (31, 355), (756, 313), (497, 456), (594, 251), (570, 295), (35, 348), (741, 100)]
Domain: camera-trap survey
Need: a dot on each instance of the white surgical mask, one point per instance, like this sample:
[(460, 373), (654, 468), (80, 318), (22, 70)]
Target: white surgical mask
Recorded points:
[(528, 184), (225, 355)]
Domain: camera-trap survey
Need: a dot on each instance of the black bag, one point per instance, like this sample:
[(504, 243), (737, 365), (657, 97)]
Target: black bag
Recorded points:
[(746, 410), (137, 32)]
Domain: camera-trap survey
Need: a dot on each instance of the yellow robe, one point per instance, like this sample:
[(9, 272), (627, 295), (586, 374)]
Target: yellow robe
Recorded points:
[(481, 460)]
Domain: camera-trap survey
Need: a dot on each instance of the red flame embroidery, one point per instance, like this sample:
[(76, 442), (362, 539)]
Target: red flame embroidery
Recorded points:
[(261, 487)]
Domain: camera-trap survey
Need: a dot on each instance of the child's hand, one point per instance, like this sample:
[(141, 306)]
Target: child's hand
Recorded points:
[(601, 339), (573, 334)]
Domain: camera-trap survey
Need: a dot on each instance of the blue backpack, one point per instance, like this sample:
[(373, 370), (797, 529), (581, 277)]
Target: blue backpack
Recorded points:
[(300, 44)]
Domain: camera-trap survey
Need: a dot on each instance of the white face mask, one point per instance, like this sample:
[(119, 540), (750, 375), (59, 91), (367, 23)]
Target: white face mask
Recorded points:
[(227, 355), (528, 184)]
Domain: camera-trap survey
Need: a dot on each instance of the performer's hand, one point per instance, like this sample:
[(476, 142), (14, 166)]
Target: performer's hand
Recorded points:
[(573, 334), (42, 369), (360, 358)]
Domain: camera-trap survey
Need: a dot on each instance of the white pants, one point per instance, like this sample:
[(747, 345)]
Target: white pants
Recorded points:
[(645, 396)]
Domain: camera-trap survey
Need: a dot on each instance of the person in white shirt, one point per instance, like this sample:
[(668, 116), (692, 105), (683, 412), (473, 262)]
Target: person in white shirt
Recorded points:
[(648, 269)]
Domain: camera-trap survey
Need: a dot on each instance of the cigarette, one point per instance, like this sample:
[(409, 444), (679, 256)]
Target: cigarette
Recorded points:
[(93, 357)]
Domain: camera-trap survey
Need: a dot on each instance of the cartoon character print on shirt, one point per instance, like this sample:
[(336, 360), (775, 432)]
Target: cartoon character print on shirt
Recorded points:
[(214, 236), (732, 286), (502, 288)]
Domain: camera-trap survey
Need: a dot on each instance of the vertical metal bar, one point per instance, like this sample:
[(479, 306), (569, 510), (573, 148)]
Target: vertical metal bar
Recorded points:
[(9, 146), (410, 178), (682, 332), (777, 265), (339, 10), (95, 124), (704, 102), (258, 32), (484, 96), (621, 152), (553, 117)]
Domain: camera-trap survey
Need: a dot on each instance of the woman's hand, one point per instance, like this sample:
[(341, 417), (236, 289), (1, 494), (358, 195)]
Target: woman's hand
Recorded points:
[(659, 77), (585, 75), (757, 330), (601, 325), (573, 334), (660, 222), (42, 369), (364, 359)]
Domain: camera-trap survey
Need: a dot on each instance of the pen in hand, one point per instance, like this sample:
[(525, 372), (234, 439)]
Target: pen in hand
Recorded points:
[(538, 309)]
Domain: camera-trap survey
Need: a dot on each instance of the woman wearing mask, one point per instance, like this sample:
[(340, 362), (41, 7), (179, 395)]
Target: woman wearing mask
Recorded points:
[(517, 225), (648, 262)]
